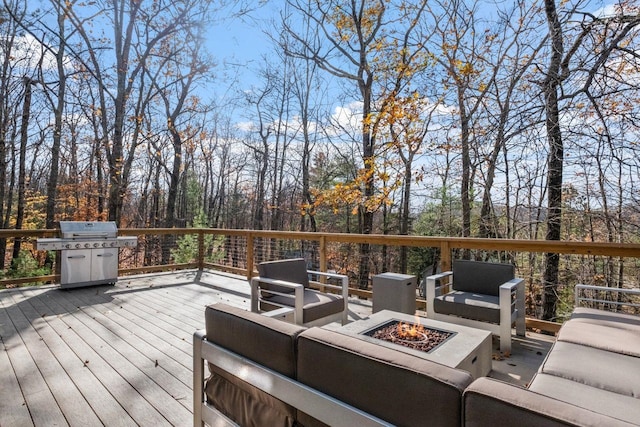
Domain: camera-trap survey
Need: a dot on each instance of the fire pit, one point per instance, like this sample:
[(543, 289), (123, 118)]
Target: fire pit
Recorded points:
[(411, 335), (452, 345)]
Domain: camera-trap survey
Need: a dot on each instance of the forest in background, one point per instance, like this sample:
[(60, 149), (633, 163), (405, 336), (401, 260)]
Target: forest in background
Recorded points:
[(514, 119)]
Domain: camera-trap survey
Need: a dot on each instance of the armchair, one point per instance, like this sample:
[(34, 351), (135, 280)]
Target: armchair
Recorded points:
[(286, 284), (482, 295)]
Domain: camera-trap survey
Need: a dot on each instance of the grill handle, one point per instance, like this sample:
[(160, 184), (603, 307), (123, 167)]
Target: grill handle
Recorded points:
[(76, 256), (87, 235), (107, 254)]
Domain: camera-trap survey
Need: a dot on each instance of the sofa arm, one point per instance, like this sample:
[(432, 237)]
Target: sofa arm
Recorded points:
[(489, 402)]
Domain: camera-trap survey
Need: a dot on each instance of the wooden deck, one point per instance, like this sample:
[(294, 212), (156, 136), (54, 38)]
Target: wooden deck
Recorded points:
[(122, 355)]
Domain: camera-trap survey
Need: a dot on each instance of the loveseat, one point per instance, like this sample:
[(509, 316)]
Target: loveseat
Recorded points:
[(591, 377), (266, 372)]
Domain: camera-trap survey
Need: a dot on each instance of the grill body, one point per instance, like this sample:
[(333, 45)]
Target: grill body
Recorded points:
[(88, 252)]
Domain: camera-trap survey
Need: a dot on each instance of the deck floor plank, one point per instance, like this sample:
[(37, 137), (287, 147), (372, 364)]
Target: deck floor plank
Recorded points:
[(103, 403), (43, 407), (159, 404), (140, 348), (13, 406)]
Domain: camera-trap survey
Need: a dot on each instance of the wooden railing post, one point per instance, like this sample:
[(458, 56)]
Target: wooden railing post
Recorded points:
[(249, 256), (323, 253), (200, 249), (445, 256)]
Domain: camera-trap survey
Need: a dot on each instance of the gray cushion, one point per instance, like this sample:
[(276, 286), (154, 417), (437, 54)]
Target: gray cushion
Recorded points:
[(489, 402), (605, 402), (393, 385), (480, 277), (485, 308), (290, 270), (590, 366), (269, 342), (608, 318), (603, 336), (316, 304)]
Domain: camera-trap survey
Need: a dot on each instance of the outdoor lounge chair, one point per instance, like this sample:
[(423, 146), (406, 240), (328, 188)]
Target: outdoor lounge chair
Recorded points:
[(285, 284), (482, 295)]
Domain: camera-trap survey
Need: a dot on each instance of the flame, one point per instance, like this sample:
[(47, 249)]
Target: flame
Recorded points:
[(409, 330)]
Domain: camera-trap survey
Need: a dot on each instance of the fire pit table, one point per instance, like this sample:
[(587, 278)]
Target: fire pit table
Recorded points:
[(457, 346)]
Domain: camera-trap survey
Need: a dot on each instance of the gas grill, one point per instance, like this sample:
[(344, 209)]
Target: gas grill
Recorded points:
[(88, 252)]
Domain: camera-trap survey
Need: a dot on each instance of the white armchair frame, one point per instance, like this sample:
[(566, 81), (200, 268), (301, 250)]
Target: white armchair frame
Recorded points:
[(511, 301), (342, 289)]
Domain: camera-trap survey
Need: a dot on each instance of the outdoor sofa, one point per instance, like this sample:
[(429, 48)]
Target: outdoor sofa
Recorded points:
[(267, 372)]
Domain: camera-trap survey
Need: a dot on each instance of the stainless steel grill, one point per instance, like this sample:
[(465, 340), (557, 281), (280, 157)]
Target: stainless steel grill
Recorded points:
[(88, 252)]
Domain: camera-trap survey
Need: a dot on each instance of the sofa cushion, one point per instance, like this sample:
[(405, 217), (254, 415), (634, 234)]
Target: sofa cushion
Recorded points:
[(607, 318), (489, 402), (485, 308), (269, 342), (601, 335), (613, 372), (289, 270), (387, 383), (480, 277), (618, 406), (316, 304)]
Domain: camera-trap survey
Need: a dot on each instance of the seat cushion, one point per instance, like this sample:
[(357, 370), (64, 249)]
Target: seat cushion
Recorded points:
[(604, 336), (605, 370), (316, 304), (481, 277), (485, 308), (398, 387), (620, 407), (489, 402)]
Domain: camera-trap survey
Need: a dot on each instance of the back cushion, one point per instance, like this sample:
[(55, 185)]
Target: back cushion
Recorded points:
[(399, 388), (290, 270), (269, 342), (481, 277)]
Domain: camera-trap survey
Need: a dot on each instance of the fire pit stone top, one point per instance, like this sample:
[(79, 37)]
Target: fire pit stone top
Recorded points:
[(465, 348)]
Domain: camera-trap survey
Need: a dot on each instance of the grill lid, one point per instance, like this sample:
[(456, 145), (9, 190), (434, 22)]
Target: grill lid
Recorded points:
[(88, 229)]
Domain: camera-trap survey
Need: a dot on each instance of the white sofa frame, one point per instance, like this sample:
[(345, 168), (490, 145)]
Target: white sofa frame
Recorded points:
[(306, 399)]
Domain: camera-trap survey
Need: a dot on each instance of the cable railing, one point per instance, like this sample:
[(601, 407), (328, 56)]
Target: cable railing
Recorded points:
[(614, 265)]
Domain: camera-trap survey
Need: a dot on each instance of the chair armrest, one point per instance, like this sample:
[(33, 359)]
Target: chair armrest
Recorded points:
[(432, 289), (296, 287), (512, 284), (344, 285), (511, 300)]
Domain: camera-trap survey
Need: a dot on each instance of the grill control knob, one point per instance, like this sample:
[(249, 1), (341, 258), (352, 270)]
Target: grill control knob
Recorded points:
[(87, 245), (78, 246), (68, 246), (113, 244), (104, 244), (95, 245)]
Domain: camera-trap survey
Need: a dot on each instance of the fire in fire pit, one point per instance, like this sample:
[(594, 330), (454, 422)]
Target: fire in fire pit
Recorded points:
[(412, 335)]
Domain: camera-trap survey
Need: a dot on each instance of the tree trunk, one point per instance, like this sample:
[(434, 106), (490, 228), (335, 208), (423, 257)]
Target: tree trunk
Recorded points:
[(24, 136), (555, 162)]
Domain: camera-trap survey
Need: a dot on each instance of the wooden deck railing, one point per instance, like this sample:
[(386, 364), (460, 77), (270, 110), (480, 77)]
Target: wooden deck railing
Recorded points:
[(238, 251)]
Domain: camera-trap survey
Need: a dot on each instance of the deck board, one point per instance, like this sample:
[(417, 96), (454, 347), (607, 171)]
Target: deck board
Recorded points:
[(122, 355)]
